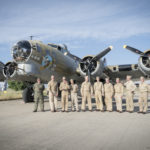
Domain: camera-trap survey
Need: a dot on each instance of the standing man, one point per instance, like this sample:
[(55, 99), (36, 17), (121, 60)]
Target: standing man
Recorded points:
[(86, 92), (118, 88), (74, 96), (143, 89), (130, 88), (38, 95), (108, 89), (53, 93), (99, 92), (64, 88)]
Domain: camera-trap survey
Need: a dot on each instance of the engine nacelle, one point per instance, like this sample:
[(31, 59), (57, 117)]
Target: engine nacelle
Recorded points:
[(96, 68), (20, 71), (10, 69), (144, 63)]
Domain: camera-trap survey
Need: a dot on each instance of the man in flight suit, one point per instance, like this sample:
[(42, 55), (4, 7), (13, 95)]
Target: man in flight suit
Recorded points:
[(118, 88), (38, 95), (143, 89), (130, 88), (64, 88), (108, 89), (99, 92), (53, 93), (86, 92)]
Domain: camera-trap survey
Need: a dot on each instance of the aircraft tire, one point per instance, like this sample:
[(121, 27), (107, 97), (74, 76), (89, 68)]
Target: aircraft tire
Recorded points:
[(27, 95)]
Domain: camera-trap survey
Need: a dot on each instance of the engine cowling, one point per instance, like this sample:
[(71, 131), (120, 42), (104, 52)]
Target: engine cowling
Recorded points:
[(10, 69), (144, 63), (96, 68)]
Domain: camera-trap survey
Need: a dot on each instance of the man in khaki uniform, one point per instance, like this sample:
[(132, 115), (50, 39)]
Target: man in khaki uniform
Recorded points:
[(118, 88), (99, 92), (108, 89), (143, 89), (38, 95), (53, 93), (86, 92), (64, 88), (130, 88), (74, 96)]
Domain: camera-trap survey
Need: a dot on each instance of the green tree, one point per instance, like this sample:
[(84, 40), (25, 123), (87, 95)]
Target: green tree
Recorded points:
[(17, 85)]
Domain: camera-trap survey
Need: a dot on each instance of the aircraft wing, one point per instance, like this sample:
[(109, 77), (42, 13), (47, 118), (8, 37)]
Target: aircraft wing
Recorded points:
[(142, 68), (121, 71)]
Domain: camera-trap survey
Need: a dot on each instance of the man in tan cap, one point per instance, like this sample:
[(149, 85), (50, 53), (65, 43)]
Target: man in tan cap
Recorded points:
[(118, 88), (74, 96), (86, 92), (53, 93), (99, 92), (64, 88), (108, 89), (143, 89), (130, 88)]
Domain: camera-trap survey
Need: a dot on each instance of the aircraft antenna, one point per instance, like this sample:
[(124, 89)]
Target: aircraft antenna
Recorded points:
[(31, 37)]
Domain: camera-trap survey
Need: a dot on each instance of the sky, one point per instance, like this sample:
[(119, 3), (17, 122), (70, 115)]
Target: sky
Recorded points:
[(85, 26)]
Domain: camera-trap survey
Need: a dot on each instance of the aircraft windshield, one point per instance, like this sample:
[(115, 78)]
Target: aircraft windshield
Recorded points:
[(21, 51)]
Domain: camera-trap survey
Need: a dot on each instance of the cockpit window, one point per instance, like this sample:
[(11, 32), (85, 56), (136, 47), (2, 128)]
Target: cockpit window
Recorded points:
[(61, 48), (53, 45), (21, 51)]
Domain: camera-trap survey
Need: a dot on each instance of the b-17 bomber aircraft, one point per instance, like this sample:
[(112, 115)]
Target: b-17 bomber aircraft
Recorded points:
[(33, 59)]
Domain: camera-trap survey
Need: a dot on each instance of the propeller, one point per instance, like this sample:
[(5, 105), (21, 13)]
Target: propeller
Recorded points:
[(8, 70), (90, 63), (136, 51), (145, 56)]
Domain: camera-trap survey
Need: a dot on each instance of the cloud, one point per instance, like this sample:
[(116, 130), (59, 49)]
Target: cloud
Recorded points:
[(73, 20)]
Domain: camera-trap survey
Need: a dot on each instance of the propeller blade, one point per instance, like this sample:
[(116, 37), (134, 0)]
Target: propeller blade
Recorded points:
[(73, 56), (101, 54), (89, 75), (134, 50)]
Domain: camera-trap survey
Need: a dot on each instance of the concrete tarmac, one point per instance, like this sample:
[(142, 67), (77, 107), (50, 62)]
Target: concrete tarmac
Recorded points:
[(21, 129)]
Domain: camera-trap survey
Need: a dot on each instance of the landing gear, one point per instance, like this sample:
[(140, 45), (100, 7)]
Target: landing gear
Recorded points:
[(27, 95)]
